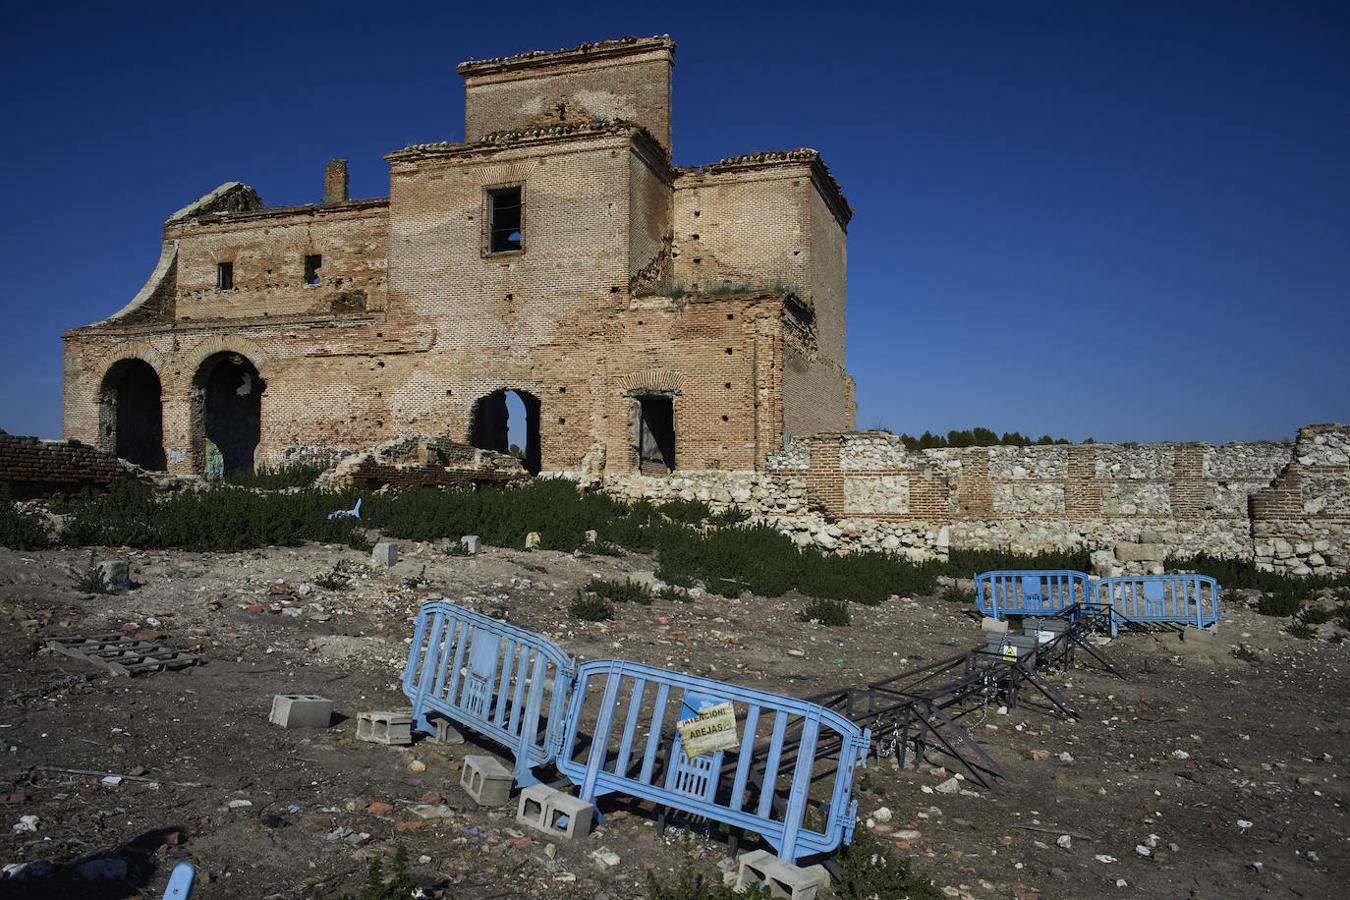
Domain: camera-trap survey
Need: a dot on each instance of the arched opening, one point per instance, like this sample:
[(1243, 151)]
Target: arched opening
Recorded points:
[(131, 414), (508, 421), (226, 414)]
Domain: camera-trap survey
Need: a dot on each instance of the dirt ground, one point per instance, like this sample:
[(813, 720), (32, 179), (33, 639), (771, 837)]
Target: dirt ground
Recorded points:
[(1224, 760)]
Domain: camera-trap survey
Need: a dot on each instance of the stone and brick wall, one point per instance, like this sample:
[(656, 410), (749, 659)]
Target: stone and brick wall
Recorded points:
[(1137, 503), (1301, 523)]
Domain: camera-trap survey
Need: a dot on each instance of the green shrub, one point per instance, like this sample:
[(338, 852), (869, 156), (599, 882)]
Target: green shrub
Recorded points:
[(268, 478), (872, 871), (626, 591), (1302, 630), (827, 612), (1243, 573), (732, 515), (91, 581), (691, 887), (222, 519), (20, 529), (1280, 604), (337, 578), (1316, 615), (688, 512), (400, 886), (590, 608), (418, 580), (671, 594), (954, 594)]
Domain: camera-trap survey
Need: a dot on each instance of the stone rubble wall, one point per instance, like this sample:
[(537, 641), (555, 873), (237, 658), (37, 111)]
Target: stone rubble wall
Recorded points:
[(1301, 522), (1135, 505)]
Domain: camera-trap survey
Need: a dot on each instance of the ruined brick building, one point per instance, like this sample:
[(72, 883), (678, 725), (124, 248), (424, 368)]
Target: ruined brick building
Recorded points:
[(649, 316)]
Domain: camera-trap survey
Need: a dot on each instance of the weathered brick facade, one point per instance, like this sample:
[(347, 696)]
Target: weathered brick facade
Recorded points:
[(276, 334)]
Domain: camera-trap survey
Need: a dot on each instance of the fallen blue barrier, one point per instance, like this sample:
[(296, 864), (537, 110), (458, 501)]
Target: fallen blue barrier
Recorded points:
[(703, 752), (1178, 599), (353, 513), (1031, 592), (504, 682)]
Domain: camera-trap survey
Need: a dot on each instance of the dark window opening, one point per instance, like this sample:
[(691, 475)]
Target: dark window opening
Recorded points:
[(313, 262), (656, 435), (507, 421), (225, 276), (504, 219)]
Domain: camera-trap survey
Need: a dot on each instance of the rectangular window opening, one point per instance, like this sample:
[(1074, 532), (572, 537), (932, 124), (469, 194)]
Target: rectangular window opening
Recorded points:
[(313, 263), (656, 435), (224, 276), (504, 219)]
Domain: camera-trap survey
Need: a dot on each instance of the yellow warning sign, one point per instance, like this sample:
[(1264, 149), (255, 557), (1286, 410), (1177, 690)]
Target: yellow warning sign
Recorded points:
[(711, 729)]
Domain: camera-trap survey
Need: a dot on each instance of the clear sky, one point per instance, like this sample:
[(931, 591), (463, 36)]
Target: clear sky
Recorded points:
[(1124, 220)]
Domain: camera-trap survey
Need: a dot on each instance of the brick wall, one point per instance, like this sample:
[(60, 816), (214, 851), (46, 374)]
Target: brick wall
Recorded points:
[(1301, 522), (30, 467)]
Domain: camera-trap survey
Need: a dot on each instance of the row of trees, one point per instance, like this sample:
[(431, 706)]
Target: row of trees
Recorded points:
[(976, 437)]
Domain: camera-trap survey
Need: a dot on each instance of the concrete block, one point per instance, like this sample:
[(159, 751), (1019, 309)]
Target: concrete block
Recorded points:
[(994, 626), (558, 815), (1006, 645), (486, 780), (301, 711), (385, 727), (384, 554), (471, 544), (447, 733), (532, 540), (760, 870), (1127, 552), (116, 574)]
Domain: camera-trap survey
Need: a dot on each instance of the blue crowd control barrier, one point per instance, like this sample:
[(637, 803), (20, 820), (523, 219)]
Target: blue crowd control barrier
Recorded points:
[(1183, 599), (1030, 593), (506, 683), (760, 783)]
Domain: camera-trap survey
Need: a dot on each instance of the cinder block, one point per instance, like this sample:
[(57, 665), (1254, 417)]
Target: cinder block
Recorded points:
[(471, 544), (385, 727), (301, 711), (760, 870), (384, 554), (486, 780), (560, 816), (447, 733), (532, 540), (994, 626)]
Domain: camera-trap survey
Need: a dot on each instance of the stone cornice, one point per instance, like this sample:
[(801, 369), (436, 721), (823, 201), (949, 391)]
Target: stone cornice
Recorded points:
[(582, 53)]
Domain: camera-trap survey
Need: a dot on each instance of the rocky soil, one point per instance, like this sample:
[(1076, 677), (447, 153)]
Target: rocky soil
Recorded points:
[(1217, 769)]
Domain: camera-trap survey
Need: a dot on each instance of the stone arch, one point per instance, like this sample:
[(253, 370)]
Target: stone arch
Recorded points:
[(489, 425), (131, 413), (226, 413)]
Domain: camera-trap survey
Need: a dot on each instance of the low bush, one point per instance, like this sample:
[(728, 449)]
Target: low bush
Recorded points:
[(1316, 615), (1243, 573), (833, 613), (1282, 603), (268, 478), (337, 578), (223, 519), (91, 581), (626, 591), (590, 608), (20, 529)]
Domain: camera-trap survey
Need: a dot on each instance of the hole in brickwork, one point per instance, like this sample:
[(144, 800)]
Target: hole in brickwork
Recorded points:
[(313, 263), (224, 276), (730, 316), (507, 421), (726, 419), (728, 351), (727, 385), (562, 390), (131, 414), (656, 435)]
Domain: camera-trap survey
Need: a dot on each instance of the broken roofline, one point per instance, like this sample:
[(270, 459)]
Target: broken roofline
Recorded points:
[(587, 52)]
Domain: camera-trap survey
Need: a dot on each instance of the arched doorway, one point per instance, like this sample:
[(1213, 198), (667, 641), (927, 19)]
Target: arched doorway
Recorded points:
[(131, 414), (508, 421), (226, 414)]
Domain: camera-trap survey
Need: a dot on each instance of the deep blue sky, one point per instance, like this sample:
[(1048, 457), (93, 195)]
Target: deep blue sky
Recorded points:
[(1122, 220)]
